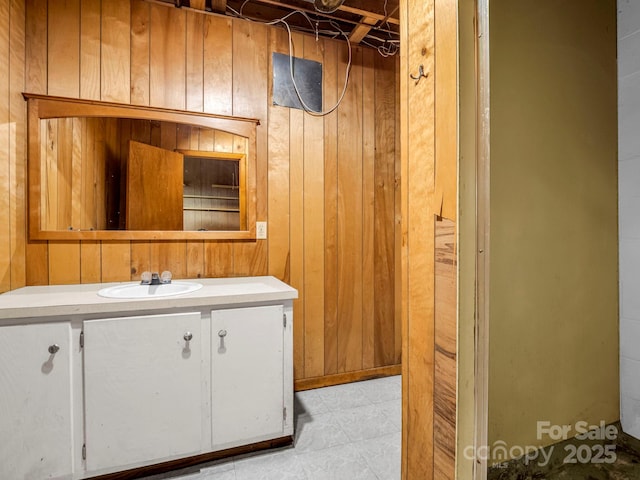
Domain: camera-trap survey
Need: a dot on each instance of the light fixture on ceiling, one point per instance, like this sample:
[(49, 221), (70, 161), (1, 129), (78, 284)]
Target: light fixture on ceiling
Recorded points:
[(327, 6)]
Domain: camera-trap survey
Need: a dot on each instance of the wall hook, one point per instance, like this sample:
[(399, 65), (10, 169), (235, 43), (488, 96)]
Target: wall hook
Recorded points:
[(419, 75)]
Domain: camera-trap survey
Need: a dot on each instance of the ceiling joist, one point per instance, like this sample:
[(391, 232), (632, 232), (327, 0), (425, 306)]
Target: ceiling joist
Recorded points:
[(361, 31), (219, 6), (364, 13), (372, 22)]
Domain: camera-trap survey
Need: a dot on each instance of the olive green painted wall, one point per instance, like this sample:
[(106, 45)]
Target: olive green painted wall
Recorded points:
[(554, 278)]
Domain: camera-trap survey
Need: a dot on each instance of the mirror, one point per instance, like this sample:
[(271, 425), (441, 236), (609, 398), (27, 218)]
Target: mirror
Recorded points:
[(109, 171)]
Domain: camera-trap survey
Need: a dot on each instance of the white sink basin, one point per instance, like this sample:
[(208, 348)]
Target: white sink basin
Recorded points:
[(136, 290)]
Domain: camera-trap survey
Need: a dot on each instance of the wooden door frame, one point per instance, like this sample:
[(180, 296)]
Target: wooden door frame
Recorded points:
[(476, 191), (483, 222)]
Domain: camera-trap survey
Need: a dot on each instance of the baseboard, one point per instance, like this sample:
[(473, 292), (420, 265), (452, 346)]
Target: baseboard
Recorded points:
[(195, 460), (348, 377)]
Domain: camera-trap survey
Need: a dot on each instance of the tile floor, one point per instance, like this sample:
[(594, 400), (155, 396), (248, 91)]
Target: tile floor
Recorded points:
[(349, 432)]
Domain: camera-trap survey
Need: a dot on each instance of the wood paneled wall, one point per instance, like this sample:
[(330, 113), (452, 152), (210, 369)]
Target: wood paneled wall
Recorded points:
[(328, 186)]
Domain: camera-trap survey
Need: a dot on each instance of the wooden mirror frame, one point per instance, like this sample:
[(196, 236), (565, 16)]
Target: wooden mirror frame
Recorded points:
[(41, 107)]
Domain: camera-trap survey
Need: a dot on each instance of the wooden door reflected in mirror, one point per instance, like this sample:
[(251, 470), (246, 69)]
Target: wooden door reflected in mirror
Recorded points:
[(154, 188)]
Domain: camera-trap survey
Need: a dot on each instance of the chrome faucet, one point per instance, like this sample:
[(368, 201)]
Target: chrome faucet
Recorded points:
[(149, 278)]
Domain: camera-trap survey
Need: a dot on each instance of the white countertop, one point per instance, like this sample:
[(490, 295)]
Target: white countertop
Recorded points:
[(64, 300)]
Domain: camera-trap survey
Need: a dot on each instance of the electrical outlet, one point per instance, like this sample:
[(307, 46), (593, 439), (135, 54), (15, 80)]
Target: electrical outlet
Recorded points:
[(261, 230)]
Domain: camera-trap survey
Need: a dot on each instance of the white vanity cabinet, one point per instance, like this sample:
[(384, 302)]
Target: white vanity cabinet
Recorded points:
[(35, 401), (143, 389), (247, 369), (137, 382)]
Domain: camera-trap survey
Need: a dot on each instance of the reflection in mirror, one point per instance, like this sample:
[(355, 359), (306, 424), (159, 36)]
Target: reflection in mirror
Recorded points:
[(109, 171), (214, 191), (101, 173)]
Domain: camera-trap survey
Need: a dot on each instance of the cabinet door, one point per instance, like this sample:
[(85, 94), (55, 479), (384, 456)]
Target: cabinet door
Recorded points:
[(142, 389), (247, 375), (35, 404)]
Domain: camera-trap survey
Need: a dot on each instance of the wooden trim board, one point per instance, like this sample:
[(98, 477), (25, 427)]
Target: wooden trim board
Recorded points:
[(340, 378)]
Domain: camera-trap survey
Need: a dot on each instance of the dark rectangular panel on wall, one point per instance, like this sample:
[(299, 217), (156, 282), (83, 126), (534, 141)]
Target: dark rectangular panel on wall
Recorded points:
[(308, 82)]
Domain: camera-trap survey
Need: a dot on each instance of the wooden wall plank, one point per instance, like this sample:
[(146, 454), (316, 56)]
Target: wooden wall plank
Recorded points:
[(37, 269), (402, 235), (140, 259), (63, 38), (36, 46), (313, 230), (278, 226), (446, 254), (369, 259), (167, 54), (169, 256), (446, 138), (296, 232), (195, 258), (444, 394), (398, 232), (218, 259), (385, 216), (90, 49), (90, 265), (115, 261), (350, 221), (116, 47), (195, 61), (140, 20), (5, 177), (250, 85), (331, 85), (17, 143), (64, 263), (218, 65)]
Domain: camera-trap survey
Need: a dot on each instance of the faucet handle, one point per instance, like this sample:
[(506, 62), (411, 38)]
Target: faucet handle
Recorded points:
[(145, 278), (166, 277)]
